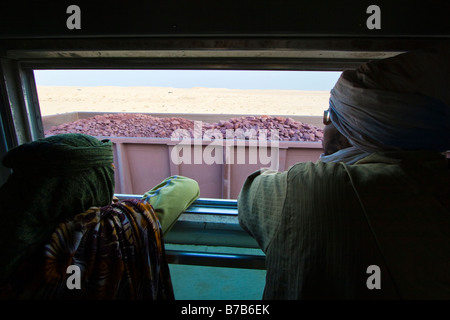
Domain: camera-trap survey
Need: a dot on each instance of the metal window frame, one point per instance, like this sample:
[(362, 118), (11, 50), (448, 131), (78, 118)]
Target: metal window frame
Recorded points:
[(20, 114)]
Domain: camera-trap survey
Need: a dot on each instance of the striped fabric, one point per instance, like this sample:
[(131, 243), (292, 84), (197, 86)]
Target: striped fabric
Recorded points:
[(118, 250), (322, 225)]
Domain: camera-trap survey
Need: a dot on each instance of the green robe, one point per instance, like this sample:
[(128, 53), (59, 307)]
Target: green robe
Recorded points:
[(56, 212), (323, 226)]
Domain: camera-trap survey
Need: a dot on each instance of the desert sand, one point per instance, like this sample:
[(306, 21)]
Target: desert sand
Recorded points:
[(56, 100)]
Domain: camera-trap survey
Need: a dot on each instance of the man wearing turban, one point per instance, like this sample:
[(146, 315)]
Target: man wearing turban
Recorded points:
[(57, 213), (371, 218)]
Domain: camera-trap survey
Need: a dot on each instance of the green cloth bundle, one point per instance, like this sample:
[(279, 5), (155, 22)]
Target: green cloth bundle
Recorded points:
[(53, 179), (171, 198)]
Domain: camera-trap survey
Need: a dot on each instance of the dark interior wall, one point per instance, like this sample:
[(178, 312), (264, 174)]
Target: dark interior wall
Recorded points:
[(34, 19)]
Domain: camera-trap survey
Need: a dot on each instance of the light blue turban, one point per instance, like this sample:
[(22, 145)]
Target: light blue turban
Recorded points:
[(399, 103)]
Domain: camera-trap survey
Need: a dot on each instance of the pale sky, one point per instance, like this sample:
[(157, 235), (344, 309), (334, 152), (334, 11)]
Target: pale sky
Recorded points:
[(230, 79)]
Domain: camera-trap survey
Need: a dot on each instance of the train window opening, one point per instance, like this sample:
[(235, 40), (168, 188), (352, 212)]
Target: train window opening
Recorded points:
[(207, 242), (146, 113)]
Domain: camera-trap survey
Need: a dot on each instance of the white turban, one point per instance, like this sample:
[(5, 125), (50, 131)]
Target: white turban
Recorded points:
[(399, 103)]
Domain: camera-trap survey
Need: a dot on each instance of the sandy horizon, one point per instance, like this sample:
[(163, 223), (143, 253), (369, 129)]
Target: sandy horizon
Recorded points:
[(63, 99)]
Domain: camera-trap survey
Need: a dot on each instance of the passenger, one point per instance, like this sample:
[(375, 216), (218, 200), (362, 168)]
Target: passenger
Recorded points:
[(371, 218), (56, 211)]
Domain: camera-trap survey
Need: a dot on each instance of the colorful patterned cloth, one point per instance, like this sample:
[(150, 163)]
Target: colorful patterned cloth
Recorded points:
[(118, 253)]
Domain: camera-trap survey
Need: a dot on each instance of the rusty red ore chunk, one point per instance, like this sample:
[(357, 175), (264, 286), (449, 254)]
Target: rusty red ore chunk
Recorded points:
[(142, 125)]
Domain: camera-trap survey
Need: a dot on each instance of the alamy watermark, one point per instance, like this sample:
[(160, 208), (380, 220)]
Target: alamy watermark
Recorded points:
[(73, 21), (235, 146), (74, 280), (374, 280)]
